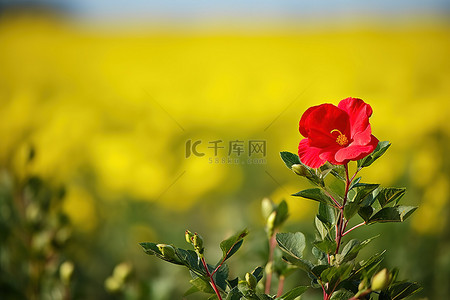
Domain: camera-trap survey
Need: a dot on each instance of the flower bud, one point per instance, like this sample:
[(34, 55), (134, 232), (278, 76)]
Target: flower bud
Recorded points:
[(251, 280), (299, 169), (362, 285), (189, 235), (333, 260), (271, 223), (66, 271), (166, 250), (381, 280), (267, 207), (197, 241)]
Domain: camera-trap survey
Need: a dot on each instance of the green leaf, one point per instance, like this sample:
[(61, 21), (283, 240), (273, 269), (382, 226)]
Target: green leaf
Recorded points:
[(370, 266), (365, 213), (363, 190), (315, 194), (294, 293), (350, 209), (282, 214), (361, 195), (377, 153), (232, 244), (264, 297), (190, 259), (220, 277), (339, 173), (191, 291), (352, 249), (320, 255), (290, 159), (392, 214), (258, 272), (369, 199), (202, 285), (336, 274), (326, 246), (328, 214), (388, 195), (234, 294), (321, 229), (401, 290), (152, 249), (354, 182), (292, 243), (325, 169), (300, 263), (317, 270), (342, 295)]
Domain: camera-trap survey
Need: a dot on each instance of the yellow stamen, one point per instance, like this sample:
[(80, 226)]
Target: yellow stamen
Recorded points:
[(341, 138)]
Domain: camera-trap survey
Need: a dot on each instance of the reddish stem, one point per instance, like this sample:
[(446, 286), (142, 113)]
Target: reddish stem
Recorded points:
[(341, 221), (272, 245), (353, 228), (211, 280), (280, 286), (337, 205), (360, 296)]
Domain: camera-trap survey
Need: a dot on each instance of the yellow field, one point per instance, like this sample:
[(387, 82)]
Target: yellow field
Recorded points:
[(121, 107)]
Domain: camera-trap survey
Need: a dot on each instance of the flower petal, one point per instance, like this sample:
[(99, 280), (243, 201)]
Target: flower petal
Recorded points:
[(318, 123), (309, 155), (329, 154), (355, 151), (359, 113)]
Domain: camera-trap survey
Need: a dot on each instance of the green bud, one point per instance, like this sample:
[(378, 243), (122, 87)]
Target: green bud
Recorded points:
[(299, 169), (66, 271), (333, 259), (267, 207), (198, 243), (251, 280), (168, 252), (362, 285), (189, 235), (381, 280), (271, 223)]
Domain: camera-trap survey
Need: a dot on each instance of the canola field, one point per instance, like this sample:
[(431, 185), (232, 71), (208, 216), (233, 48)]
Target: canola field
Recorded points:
[(109, 115)]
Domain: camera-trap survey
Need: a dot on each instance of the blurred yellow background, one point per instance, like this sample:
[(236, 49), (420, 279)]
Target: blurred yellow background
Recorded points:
[(109, 114)]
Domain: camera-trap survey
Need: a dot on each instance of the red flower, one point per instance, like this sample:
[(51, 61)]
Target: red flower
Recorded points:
[(336, 134)]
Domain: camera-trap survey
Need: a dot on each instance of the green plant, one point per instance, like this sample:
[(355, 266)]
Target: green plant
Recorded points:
[(335, 136)]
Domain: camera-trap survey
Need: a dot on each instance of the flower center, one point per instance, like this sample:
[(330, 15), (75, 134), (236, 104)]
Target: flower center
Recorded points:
[(341, 138)]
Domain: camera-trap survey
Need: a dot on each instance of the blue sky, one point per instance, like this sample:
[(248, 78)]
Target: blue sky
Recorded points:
[(187, 9)]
